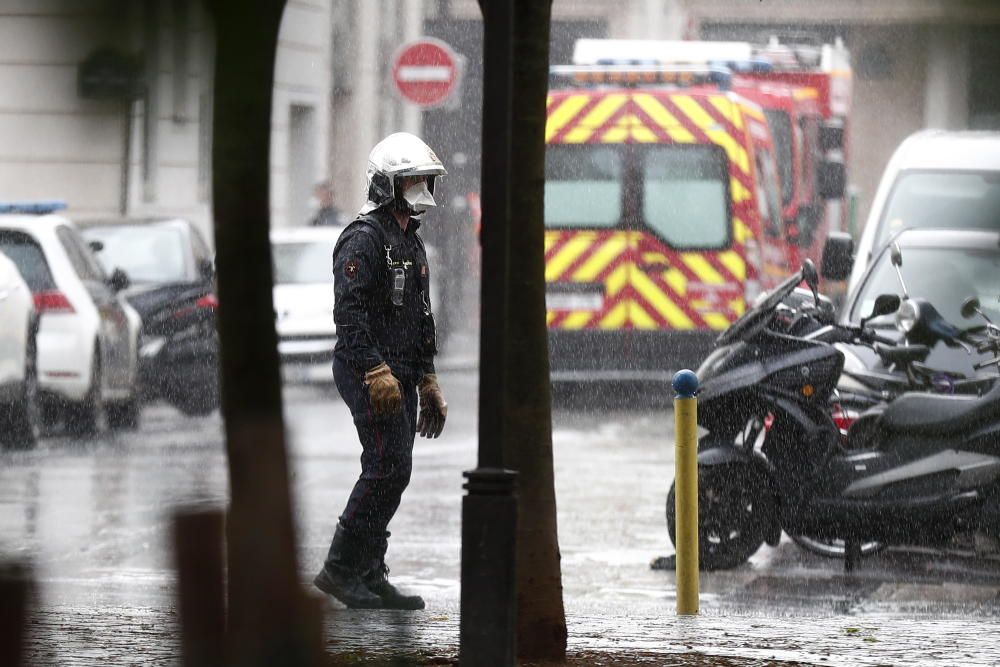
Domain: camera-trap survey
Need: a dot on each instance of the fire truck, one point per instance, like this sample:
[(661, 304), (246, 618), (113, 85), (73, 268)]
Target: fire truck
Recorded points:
[(665, 210)]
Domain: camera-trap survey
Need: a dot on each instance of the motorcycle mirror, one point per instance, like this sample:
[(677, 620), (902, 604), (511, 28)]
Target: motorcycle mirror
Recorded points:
[(897, 255), (885, 304), (897, 261), (970, 307), (811, 278)]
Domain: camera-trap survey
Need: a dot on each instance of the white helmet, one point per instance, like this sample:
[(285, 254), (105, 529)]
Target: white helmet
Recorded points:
[(397, 156)]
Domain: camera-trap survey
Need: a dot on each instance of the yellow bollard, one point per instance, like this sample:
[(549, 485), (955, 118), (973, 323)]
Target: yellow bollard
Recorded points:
[(686, 490)]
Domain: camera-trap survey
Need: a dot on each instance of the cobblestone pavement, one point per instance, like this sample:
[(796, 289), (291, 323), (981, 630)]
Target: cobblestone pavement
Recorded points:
[(94, 518)]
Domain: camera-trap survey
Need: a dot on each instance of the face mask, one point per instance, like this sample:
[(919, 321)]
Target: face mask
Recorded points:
[(419, 197)]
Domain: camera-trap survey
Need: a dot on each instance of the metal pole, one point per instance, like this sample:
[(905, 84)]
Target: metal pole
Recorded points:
[(686, 490), (489, 511)]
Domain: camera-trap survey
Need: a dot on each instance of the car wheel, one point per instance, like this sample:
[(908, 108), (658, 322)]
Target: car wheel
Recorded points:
[(733, 511), (89, 416), (124, 415), (197, 401), (22, 419)]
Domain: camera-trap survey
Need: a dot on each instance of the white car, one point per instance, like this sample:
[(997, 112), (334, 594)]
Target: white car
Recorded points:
[(303, 292), (934, 180), (19, 414), (87, 333)]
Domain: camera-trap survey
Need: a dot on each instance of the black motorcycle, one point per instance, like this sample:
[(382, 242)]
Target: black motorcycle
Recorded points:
[(917, 471)]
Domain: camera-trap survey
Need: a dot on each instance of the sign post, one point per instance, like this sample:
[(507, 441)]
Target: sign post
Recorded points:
[(426, 72)]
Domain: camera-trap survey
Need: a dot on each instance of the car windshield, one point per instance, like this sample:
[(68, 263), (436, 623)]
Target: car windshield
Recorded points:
[(686, 195), (149, 254), (583, 186), (943, 276), (302, 263), (941, 199)]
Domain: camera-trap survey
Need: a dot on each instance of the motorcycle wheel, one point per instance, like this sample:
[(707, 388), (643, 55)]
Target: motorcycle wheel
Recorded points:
[(734, 507), (829, 548)]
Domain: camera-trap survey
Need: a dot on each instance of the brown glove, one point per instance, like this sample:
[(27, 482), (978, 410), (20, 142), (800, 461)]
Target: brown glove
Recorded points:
[(433, 409), (384, 390)]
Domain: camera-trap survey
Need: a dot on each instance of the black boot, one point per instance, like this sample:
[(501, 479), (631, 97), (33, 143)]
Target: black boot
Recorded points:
[(341, 573), (377, 581)]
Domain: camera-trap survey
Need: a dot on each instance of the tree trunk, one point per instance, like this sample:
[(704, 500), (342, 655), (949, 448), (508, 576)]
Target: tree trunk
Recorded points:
[(541, 620), (266, 603)]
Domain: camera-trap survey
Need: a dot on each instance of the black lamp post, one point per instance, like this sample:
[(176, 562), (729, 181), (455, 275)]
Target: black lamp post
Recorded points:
[(489, 510)]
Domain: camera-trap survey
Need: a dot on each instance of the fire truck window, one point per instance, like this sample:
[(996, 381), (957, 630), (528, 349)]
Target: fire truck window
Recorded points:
[(811, 156), (781, 131), (767, 194), (686, 195), (583, 186)]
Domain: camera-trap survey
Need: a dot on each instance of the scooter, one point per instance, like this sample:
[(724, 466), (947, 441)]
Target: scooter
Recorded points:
[(917, 471)]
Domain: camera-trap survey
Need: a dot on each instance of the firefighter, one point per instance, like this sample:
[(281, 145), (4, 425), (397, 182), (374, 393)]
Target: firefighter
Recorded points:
[(383, 363)]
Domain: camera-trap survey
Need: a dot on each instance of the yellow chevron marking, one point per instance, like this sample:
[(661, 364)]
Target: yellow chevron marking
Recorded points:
[(705, 271), (549, 316), (611, 249), (755, 112), (677, 281), (738, 306), (616, 318), (728, 110), (655, 296), (597, 117), (736, 153), (577, 319), (716, 320), (741, 233), (616, 135), (805, 93), (640, 318), (550, 240), (617, 281), (575, 247), (735, 264), (655, 110), (644, 135), (739, 193), (564, 113)]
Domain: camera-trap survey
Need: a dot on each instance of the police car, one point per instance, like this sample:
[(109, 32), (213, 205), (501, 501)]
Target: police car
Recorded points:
[(87, 333)]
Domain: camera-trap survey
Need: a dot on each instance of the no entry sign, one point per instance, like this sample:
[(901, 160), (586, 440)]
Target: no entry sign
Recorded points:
[(426, 72)]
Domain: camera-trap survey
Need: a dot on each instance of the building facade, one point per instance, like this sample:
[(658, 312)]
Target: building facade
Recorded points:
[(148, 151)]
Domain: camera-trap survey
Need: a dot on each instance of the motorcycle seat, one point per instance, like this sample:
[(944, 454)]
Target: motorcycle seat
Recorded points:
[(936, 414)]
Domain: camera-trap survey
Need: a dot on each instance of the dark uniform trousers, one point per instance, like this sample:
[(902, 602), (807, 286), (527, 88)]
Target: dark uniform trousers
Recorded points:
[(386, 457)]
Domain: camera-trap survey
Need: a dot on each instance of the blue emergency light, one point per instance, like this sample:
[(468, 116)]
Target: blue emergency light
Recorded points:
[(753, 66), (32, 207)]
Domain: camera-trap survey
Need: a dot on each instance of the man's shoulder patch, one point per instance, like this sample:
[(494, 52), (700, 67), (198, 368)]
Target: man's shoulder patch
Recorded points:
[(351, 267)]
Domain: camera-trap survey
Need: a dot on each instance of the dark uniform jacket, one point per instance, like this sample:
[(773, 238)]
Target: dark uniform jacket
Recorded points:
[(382, 305)]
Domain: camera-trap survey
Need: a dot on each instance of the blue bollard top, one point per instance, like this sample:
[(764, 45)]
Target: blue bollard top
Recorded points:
[(685, 383)]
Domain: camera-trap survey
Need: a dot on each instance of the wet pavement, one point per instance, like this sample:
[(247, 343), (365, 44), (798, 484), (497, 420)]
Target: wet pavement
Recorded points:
[(94, 517)]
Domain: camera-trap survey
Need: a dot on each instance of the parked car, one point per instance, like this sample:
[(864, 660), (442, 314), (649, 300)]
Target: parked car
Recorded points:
[(303, 292), (172, 288), (934, 180), (87, 332), (19, 414)]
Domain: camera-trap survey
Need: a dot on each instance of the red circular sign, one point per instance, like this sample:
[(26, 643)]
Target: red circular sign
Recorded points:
[(425, 72)]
